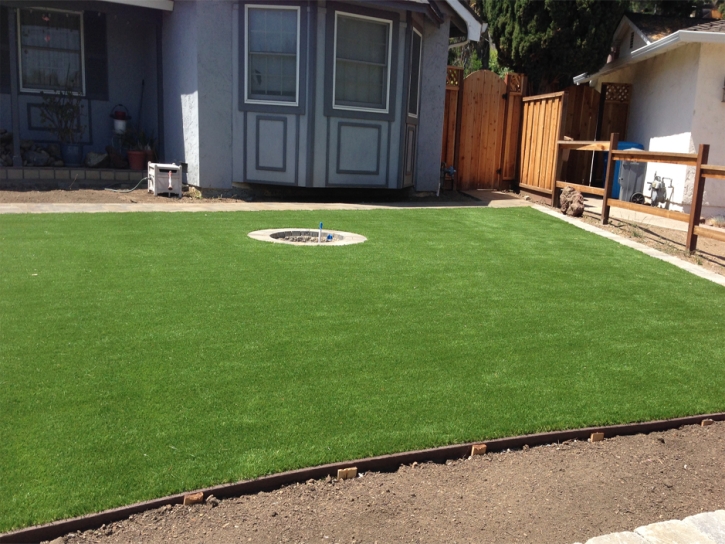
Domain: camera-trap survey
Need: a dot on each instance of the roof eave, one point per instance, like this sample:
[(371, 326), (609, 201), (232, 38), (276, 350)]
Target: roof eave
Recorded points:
[(676, 39), (474, 27)]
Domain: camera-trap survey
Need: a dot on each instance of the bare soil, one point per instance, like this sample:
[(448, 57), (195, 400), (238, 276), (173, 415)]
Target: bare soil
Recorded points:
[(710, 253), (560, 493)]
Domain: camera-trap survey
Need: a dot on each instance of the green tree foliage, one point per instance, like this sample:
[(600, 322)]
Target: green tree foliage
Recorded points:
[(552, 41)]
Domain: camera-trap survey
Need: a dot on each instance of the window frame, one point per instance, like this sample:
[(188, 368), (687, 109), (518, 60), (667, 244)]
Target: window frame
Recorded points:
[(420, 71), (21, 85), (389, 62), (255, 101)]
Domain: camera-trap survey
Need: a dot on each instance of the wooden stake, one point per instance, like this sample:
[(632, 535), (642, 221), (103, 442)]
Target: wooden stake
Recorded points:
[(608, 179), (596, 437), (193, 498), (706, 422), (346, 473), (697, 194), (478, 449)]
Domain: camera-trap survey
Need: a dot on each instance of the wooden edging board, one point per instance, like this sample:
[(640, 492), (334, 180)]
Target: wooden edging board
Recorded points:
[(653, 210), (381, 463), (707, 232), (584, 189)]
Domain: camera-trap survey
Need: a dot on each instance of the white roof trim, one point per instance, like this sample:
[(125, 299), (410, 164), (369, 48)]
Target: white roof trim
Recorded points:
[(474, 28), (626, 21), (676, 39), (166, 5)]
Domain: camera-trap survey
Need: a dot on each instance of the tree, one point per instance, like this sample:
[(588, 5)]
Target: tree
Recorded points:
[(552, 41)]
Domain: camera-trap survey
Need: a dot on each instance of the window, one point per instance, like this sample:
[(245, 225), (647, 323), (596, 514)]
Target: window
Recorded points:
[(272, 67), (362, 63), (50, 47), (415, 58)]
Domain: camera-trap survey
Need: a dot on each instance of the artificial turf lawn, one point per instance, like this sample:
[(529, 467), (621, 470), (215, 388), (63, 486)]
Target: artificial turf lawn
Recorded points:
[(146, 354)]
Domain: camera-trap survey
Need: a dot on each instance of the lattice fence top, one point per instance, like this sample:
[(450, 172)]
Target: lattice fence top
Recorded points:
[(454, 76), (515, 82), (618, 92)]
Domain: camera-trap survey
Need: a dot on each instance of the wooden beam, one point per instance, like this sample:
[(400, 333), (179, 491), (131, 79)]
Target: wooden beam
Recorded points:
[(585, 189), (583, 146), (634, 155), (712, 171), (652, 210), (544, 96), (707, 232), (698, 192), (609, 177), (535, 189)]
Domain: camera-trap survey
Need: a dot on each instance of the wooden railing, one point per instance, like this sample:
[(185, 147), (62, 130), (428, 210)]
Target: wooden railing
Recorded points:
[(702, 171)]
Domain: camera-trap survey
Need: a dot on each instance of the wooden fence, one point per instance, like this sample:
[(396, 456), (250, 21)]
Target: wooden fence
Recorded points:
[(541, 129), (481, 128), (698, 160), (577, 113)]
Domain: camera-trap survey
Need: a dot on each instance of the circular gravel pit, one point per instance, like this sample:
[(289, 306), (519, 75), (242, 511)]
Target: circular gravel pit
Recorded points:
[(307, 237)]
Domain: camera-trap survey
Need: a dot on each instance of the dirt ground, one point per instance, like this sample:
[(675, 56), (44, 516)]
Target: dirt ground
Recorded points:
[(561, 493), (710, 253)]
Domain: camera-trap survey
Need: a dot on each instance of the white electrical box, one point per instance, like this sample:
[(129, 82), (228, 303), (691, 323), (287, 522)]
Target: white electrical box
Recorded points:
[(164, 178)]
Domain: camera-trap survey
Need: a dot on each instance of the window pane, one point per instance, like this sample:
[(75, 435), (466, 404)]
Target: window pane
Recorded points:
[(361, 65), (414, 75), (272, 54), (50, 50)]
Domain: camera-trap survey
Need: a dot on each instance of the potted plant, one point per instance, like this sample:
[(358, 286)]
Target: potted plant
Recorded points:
[(148, 144), (134, 150), (61, 113)]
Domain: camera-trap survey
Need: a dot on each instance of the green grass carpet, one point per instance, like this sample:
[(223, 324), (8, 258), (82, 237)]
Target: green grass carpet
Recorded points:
[(146, 354)]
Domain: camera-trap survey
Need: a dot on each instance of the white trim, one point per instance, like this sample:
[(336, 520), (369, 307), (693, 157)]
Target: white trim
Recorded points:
[(166, 5), (270, 102), (22, 89), (474, 27), (389, 62), (420, 70), (676, 39)]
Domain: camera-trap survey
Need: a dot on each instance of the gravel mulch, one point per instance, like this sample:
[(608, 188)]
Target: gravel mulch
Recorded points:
[(558, 493)]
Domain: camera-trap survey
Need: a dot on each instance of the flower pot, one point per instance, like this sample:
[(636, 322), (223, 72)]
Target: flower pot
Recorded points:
[(137, 160), (72, 154)]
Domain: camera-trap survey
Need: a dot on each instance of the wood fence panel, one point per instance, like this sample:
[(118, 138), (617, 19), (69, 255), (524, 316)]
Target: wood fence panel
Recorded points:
[(515, 85), (542, 123), (614, 114), (454, 80), (482, 130), (581, 125)]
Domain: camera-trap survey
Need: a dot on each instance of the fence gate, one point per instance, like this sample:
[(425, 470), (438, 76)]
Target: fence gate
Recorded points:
[(481, 128)]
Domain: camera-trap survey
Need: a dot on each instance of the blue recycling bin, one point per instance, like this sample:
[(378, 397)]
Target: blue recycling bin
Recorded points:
[(615, 181)]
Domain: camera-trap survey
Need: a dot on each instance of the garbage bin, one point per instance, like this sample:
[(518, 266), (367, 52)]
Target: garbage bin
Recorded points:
[(615, 181)]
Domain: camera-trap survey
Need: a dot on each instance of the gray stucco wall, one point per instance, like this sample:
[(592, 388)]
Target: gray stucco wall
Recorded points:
[(179, 45), (131, 54), (432, 100), (197, 51)]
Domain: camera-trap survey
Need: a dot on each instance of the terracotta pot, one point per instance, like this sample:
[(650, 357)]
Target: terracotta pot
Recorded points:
[(137, 160)]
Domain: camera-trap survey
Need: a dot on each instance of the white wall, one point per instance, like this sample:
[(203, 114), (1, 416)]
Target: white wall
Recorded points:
[(661, 113), (708, 126)]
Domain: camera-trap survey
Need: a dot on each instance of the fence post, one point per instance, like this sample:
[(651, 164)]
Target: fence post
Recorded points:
[(457, 129), (560, 127), (697, 194), (613, 143)]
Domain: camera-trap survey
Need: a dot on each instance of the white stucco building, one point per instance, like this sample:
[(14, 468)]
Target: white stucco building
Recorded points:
[(677, 71)]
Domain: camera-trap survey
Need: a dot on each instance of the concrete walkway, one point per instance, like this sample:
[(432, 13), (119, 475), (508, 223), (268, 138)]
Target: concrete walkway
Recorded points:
[(707, 528), (488, 199)]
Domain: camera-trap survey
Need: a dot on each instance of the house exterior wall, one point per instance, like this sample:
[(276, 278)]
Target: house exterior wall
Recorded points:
[(433, 96), (222, 139), (623, 38), (661, 112), (131, 60), (708, 124)]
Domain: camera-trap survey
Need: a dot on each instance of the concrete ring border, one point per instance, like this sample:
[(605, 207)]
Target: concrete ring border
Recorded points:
[(348, 238)]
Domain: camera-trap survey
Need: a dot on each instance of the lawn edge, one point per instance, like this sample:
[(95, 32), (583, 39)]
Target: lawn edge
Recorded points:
[(381, 463)]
